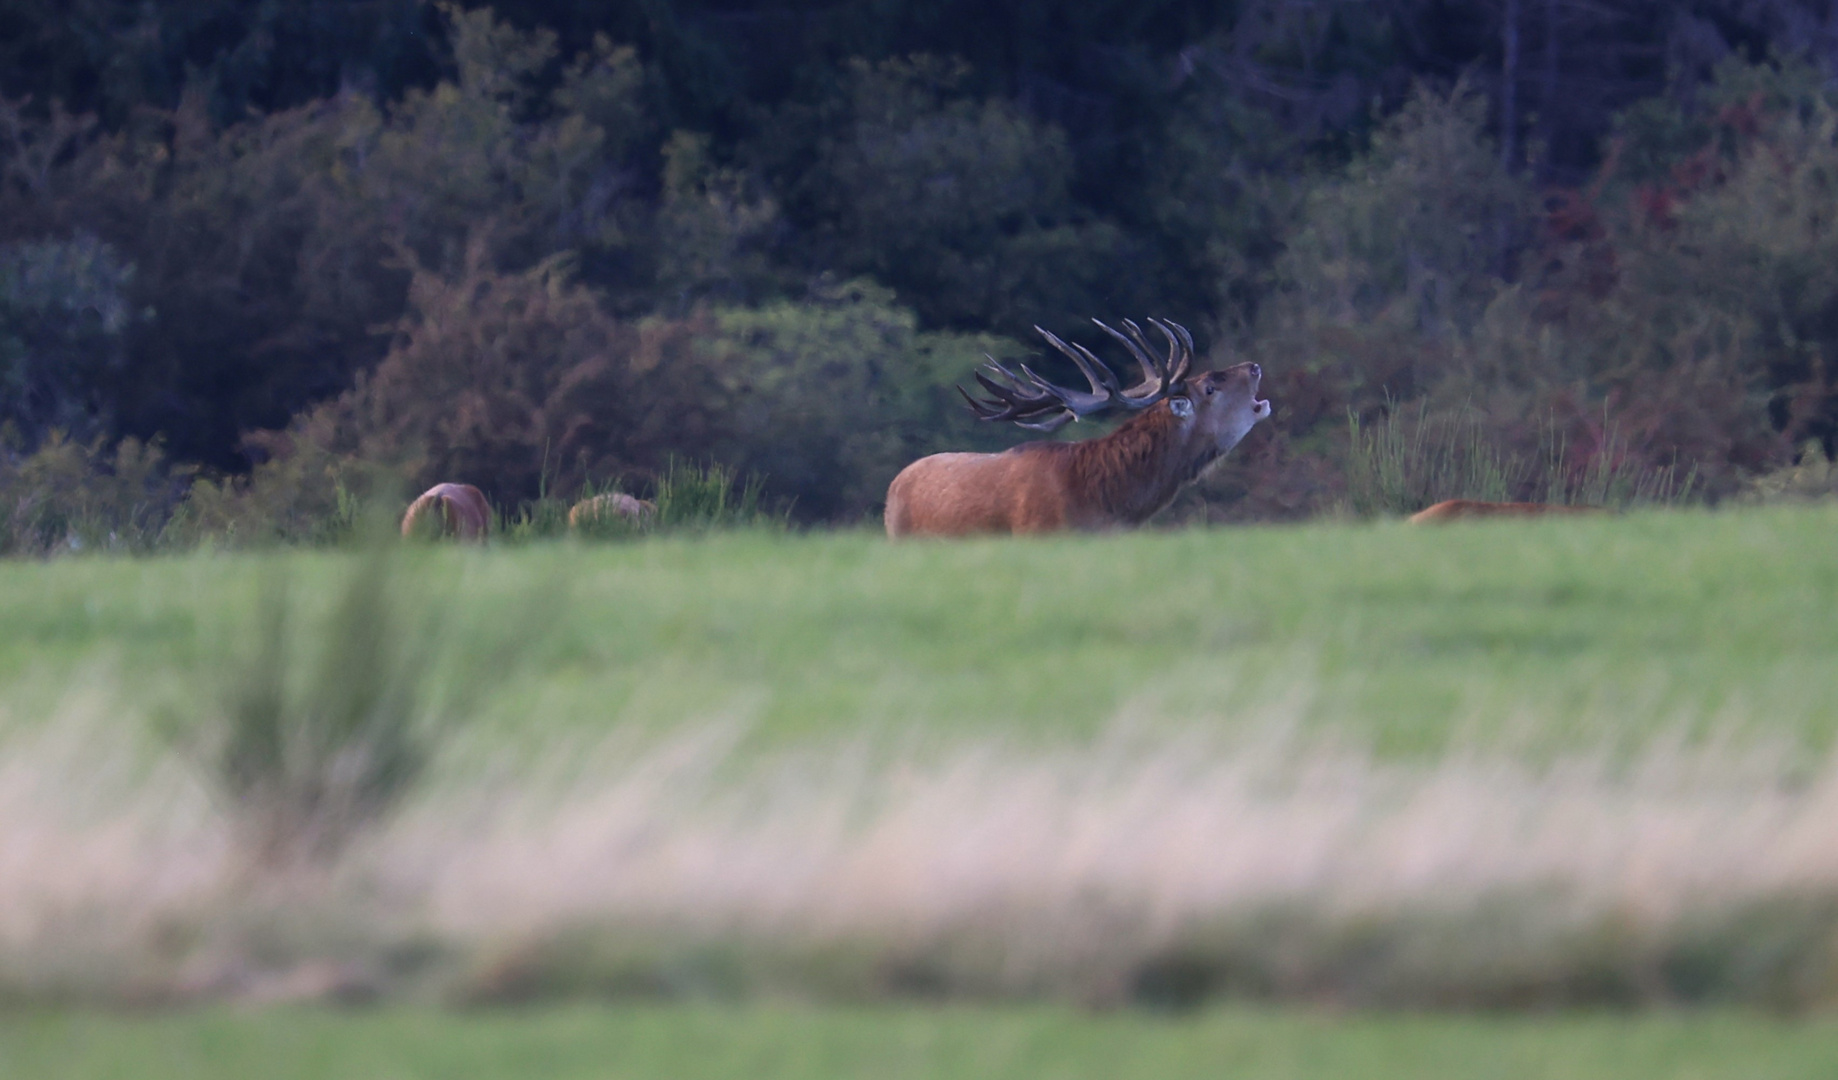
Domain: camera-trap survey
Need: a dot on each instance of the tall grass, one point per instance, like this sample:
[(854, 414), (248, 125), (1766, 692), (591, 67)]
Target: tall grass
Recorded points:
[(1415, 458), (695, 498), (689, 498)]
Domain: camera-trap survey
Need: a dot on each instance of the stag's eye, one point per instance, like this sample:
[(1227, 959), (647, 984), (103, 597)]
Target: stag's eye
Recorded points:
[(1209, 391)]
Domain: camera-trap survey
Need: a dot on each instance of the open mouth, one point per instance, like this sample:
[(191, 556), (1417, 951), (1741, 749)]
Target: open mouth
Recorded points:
[(1260, 407)]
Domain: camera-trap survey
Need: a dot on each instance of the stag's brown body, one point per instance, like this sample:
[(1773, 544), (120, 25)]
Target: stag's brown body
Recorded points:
[(451, 510), (1457, 509), (1118, 480)]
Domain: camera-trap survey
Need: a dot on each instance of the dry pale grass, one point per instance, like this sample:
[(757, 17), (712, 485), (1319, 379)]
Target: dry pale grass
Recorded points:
[(1148, 867)]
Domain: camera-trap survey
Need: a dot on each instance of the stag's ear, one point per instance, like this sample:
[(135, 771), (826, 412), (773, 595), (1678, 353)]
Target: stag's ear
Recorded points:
[(1181, 407)]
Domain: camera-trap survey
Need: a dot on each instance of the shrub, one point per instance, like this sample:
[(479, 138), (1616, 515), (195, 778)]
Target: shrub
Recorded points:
[(963, 206), (70, 496), (1812, 476), (64, 314)]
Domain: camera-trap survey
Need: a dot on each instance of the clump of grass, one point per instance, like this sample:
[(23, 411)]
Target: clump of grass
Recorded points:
[(1401, 466), (325, 728), (1612, 477), (688, 497), (542, 518), (698, 498), (1414, 459)]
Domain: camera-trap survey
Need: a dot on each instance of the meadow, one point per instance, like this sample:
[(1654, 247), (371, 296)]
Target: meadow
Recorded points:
[(782, 804), (1379, 632), (910, 1043)]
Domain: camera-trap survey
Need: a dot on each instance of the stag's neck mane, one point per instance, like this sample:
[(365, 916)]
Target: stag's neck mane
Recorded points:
[(1138, 468)]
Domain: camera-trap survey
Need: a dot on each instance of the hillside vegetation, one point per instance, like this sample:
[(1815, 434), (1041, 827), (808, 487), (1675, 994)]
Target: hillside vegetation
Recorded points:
[(257, 264)]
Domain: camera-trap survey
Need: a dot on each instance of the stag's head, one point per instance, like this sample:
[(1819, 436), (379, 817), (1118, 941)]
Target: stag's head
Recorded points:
[(1221, 406)]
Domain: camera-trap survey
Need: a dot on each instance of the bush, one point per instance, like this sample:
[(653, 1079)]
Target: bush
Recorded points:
[(64, 314), (962, 206), (70, 496)]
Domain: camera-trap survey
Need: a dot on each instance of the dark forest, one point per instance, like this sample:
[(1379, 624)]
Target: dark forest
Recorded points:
[(256, 258)]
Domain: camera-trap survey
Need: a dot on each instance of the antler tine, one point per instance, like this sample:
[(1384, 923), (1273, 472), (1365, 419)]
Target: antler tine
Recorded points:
[(1027, 398), (1180, 346), (1032, 402), (1078, 402), (1149, 372), (1101, 379), (1011, 396)]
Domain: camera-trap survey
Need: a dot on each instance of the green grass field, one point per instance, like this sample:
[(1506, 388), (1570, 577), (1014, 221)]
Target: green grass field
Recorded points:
[(789, 1043), (1537, 636), (1399, 635)]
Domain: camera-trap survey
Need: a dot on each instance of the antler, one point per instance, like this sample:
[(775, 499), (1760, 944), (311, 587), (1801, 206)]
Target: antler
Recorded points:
[(1033, 402)]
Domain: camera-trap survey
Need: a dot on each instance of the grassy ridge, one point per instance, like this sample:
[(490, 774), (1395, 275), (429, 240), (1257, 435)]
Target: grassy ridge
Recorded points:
[(1395, 634)]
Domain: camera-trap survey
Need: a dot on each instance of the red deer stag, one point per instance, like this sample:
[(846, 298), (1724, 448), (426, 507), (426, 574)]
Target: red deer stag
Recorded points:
[(1457, 509), (1183, 424), (449, 510)]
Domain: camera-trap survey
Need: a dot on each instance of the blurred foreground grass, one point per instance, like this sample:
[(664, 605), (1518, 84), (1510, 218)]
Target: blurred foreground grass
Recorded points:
[(1589, 629), (1576, 633), (766, 1043)]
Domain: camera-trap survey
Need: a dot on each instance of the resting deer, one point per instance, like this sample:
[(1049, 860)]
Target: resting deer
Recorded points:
[(1182, 424), (610, 506), (449, 510), (1457, 509)]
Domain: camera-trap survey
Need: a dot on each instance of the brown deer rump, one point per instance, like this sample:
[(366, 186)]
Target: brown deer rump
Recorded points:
[(1457, 509), (454, 509), (608, 506)]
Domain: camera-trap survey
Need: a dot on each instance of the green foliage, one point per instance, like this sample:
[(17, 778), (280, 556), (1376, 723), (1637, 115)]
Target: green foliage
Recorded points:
[(652, 213), (64, 313), (1401, 466), (303, 494), (714, 230), (68, 496), (962, 206), (693, 498), (1418, 232), (831, 397)]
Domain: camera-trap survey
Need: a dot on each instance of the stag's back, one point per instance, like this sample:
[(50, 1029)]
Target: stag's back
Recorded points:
[(1017, 491)]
